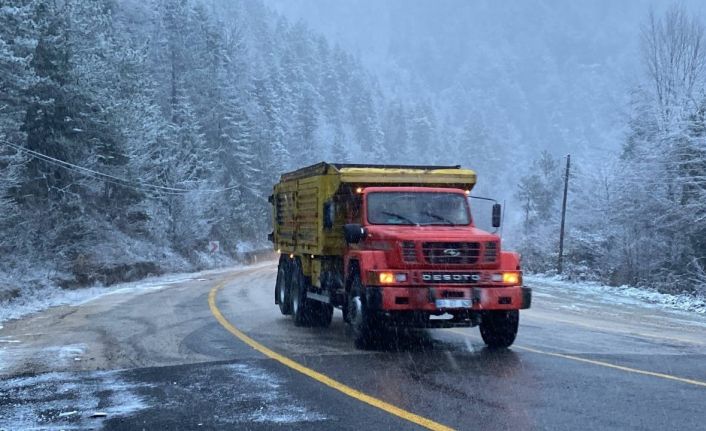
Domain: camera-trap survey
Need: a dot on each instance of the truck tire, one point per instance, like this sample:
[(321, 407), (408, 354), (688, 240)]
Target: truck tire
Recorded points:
[(301, 306), (499, 328), (282, 291), (361, 320)]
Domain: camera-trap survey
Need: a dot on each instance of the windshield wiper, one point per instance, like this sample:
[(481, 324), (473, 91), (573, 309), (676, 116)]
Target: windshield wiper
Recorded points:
[(399, 216), (438, 217)]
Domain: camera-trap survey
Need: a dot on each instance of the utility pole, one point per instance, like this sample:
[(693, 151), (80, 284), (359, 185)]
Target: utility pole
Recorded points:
[(560, 266)]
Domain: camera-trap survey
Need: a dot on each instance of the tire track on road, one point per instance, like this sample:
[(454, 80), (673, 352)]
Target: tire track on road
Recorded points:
[(319, 377)]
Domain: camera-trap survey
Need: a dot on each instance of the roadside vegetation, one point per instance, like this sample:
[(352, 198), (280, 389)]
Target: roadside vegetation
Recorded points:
[(133, 134), (640, 218)]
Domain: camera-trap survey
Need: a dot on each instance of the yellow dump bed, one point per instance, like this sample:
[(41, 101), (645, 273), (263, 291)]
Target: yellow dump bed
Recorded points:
[(300, 197)]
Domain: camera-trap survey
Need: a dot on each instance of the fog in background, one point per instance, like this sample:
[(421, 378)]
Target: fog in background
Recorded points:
[(505, 79)]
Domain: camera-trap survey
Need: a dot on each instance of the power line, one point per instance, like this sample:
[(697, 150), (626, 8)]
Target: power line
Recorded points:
[(87, 171), (97, 176), (110, 178)]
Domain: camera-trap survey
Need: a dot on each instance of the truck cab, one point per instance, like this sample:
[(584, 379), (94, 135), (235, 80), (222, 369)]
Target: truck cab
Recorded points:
[(400, 247)]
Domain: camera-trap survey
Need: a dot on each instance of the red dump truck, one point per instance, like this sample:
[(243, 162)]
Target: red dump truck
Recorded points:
[(392, 245)]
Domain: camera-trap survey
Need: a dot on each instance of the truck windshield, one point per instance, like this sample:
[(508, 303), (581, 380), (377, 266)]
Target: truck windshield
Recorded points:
[(417, 208)]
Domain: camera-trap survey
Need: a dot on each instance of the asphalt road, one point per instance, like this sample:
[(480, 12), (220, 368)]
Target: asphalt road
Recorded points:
[(213, 352)]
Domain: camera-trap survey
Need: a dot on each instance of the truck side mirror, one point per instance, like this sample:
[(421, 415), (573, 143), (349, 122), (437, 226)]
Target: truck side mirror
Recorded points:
[(329, 214), (497, 215), (354, 233)]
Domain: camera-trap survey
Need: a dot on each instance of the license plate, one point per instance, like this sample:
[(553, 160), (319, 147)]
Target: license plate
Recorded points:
[(453, 303)]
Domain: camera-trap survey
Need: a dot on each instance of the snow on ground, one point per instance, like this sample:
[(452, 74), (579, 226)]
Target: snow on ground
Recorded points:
[(35, 300), (275, 404), (67, 400), (64, 400), (621, 294)]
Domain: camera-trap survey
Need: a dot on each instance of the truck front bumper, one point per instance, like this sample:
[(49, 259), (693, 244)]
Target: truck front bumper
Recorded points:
[(393, 298)]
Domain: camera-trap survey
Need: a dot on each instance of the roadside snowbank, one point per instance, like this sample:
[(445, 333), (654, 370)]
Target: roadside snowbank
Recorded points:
[(622, 294)]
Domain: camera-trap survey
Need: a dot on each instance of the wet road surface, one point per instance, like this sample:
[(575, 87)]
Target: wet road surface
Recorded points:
[(159, 359)]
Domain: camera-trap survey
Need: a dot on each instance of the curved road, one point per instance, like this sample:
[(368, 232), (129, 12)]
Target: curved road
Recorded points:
[(213, 352)]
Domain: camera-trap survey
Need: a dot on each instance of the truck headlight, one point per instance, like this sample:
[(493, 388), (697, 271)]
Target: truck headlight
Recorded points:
[(386, 277), (511, 278), (391, 277)]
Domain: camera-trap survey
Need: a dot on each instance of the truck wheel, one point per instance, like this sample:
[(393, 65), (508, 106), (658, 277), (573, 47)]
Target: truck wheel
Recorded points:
[(301, 307), (282, 293), (499, 328), (361, 321)]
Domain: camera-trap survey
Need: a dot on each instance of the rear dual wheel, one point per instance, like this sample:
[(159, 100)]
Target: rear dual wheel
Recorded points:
[(305, 311)]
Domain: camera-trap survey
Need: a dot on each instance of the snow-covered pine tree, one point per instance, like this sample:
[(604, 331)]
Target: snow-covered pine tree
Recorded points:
[(17, 42), (660, 177), (539, 193)]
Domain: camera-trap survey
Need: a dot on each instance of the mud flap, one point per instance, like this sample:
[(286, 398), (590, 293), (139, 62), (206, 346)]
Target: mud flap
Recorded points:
[(526, 297)]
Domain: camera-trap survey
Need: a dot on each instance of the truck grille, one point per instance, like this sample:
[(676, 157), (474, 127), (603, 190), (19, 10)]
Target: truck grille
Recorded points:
[(409, 251), (491, 252), (451, 252)]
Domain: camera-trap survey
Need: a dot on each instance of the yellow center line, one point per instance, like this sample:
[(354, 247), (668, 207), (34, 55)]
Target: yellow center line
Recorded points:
[(602, 363), (321, 378)]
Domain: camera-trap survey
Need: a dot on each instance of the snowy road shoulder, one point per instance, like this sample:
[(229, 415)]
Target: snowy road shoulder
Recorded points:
[(624, 295)]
